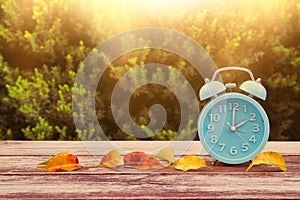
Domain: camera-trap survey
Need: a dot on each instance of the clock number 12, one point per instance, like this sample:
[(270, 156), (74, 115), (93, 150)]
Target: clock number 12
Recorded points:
[(233, 105)]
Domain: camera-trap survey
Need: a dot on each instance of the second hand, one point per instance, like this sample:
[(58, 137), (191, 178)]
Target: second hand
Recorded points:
[(242, 137)]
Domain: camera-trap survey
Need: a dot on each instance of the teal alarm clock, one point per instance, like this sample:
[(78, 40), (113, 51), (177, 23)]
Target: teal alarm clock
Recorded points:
[(233, 127)]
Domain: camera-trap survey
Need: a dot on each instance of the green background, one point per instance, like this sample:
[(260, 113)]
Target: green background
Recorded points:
[(42, 44)]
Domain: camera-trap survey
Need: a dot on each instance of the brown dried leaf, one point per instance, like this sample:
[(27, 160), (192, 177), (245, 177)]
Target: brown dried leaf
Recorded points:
[(140, 160)]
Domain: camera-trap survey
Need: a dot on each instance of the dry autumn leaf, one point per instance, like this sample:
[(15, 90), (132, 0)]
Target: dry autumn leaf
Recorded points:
[(112, 159), (189, 162), (269, 158), (166, 153), (49, 160), (61, 162), (140, 160)]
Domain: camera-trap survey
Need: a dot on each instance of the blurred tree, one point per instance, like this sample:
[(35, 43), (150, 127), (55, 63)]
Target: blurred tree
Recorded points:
[(43, 43)]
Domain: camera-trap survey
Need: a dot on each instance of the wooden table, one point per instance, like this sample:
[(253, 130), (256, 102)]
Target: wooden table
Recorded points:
[(20, 179)]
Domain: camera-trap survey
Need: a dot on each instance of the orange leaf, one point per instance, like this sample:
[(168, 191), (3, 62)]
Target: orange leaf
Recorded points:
[(112, 159), (189, 162), (269, 158), (49, 160), (61, 162), (140, 160)]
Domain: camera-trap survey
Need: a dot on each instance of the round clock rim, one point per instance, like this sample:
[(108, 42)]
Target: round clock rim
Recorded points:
[(223, 97)]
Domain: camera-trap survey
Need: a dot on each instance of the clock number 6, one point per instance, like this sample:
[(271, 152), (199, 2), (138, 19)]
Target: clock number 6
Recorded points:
[(233, 150)]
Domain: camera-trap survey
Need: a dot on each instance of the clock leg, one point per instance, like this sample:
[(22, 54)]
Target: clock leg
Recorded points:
[(214, 162)]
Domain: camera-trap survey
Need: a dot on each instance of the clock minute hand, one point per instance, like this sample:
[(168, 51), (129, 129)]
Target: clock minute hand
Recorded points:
[(233, 116)]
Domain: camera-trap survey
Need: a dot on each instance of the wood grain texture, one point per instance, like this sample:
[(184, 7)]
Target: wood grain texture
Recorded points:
[(20, 179)]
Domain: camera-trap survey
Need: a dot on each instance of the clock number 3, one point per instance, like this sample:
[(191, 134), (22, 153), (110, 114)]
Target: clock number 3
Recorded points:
[(256, 128)]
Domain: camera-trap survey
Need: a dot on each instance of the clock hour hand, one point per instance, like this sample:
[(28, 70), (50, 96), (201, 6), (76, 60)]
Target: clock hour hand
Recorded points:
[(234, 128), (241, 123)]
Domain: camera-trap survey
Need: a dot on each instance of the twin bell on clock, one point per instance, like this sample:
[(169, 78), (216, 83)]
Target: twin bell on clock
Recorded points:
[(233, 127)]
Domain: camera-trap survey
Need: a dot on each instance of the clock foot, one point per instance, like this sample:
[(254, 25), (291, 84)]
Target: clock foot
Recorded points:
[(214, 162)]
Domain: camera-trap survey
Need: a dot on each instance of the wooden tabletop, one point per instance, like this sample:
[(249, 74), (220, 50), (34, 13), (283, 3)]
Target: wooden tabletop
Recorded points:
[(19, 177)]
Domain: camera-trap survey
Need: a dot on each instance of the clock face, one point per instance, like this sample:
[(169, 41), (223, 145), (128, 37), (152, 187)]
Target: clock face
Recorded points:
[(233, 128)]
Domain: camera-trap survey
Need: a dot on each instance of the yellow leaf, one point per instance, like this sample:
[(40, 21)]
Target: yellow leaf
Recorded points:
[(112, 159), (269, 158), (61, 162), (189, 162), (166, 153)]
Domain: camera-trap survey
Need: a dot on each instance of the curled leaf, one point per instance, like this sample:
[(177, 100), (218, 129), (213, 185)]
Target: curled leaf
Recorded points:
[(112, 159), (269, 158), (49, 160), (166, 153), (189, 162), (140, 160), (61, 162)]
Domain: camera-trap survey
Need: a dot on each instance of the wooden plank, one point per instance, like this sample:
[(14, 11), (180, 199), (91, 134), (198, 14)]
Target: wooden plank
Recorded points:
[(101, 148), (20, 179), (153, 185)]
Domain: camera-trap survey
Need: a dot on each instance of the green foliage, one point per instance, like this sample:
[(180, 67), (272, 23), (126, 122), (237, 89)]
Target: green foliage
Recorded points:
[(43, 43), (33, 98), (41, 131)]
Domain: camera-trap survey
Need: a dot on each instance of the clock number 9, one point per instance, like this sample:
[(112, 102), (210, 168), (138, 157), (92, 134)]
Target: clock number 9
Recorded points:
[(210, 127)]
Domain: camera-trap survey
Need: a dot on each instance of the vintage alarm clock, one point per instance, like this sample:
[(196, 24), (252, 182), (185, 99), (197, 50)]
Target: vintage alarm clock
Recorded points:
[(233, 127)]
